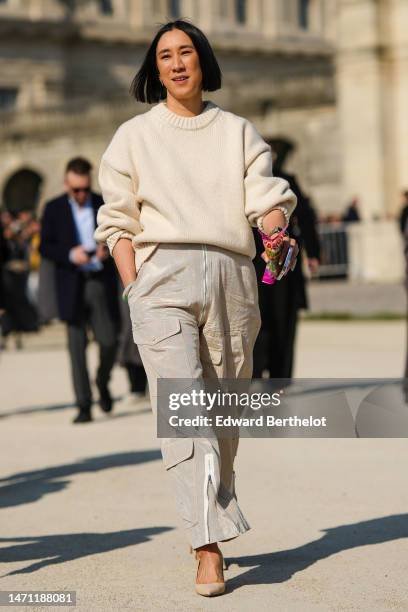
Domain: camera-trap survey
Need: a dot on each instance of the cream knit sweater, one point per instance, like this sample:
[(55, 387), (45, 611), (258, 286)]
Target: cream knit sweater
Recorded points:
[(202, 179)]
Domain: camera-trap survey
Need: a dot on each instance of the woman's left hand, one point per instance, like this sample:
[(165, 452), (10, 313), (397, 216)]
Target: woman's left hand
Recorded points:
[(287, 242)]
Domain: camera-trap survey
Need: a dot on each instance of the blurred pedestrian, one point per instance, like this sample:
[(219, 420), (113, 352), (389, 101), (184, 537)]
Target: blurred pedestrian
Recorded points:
[(20, 312), (3, 254), (404, 212), (86, 282), (403, 224), (280, 303), (352, 212)]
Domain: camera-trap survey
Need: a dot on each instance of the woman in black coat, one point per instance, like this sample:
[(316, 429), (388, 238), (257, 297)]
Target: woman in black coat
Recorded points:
[(280, 303)]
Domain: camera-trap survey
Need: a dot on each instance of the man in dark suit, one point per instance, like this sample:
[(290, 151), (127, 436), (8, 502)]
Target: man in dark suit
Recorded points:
[(86, 282), (279, 303)]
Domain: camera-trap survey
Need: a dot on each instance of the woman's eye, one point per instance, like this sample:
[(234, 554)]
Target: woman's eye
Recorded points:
[(166, 56)]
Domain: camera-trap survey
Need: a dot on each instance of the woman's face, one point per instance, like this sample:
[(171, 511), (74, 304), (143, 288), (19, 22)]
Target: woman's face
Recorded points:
[(177, 57)]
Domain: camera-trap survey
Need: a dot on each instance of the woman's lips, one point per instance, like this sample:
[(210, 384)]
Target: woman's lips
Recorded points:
[(181, 80)]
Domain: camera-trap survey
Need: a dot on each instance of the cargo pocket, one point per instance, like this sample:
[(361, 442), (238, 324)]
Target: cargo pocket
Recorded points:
[(162, 343), (178, 461), (176, 450), (153, 331)]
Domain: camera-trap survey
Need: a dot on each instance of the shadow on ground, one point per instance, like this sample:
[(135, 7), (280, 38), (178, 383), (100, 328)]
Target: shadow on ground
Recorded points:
[(19, 412), (267, 568), (276, 567), (34, 409), (60, 548), (29, 487)]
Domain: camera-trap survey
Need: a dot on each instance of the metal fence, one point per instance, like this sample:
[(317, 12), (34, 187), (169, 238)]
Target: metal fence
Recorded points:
[(333, 250)]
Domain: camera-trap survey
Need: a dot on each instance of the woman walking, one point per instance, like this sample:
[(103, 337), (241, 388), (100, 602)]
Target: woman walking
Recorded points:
[(183, 185)]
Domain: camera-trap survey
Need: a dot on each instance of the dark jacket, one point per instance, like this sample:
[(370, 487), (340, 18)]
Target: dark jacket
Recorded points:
[(3, 256), (58, 237), (403, 219)]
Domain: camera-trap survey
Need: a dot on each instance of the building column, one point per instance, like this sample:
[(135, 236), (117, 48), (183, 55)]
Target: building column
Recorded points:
[(398, 117), (372, 88), (190, 9), (316, 17), (208, 15), (140, 13), (359, 86), (254, 15), (271, 17)]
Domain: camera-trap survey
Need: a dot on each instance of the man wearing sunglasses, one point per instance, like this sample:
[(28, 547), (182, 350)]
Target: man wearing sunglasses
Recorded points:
[(86, 284)]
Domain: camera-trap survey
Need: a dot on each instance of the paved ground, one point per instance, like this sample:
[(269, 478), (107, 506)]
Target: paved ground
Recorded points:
[(89, 508)]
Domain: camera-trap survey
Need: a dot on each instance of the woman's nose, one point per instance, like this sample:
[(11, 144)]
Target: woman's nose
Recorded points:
[(177, 64)]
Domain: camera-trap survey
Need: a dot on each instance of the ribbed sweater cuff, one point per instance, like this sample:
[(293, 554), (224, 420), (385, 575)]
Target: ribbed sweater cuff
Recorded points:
[(113, 238)]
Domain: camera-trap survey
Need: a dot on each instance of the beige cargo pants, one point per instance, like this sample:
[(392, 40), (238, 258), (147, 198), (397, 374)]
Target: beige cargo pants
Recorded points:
[(194, 311)]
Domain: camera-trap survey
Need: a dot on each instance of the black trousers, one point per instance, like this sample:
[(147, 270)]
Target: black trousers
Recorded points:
[(21, 314), (137, 378), (94, 313), (274, 347)]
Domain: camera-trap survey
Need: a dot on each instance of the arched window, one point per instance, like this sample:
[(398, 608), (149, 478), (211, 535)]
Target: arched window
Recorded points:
[(8, 97), (240, 11), (303, 12), (106, 7), (22, 190)]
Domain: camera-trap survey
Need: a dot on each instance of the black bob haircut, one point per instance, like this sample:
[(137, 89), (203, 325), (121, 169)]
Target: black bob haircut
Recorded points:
[(146, 86)]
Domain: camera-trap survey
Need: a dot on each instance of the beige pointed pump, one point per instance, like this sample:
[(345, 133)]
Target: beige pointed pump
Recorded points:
[(209, 589)]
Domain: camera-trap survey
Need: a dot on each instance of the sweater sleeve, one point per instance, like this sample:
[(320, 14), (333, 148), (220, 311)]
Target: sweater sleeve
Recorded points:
[(119, 216), (263, 191)]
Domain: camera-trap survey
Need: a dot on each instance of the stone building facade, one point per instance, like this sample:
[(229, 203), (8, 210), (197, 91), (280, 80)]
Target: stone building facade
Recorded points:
[(329, 76)]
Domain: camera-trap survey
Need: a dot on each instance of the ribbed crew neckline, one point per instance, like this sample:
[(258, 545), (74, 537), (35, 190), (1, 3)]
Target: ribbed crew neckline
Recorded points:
[(197, 122)]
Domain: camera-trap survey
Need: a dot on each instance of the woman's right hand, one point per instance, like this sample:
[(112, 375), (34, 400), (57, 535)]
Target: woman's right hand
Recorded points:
[(126, 291), (127, 287)]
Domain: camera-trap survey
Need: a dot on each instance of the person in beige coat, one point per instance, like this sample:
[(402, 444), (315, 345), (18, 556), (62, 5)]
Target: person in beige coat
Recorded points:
[(183, 185)]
